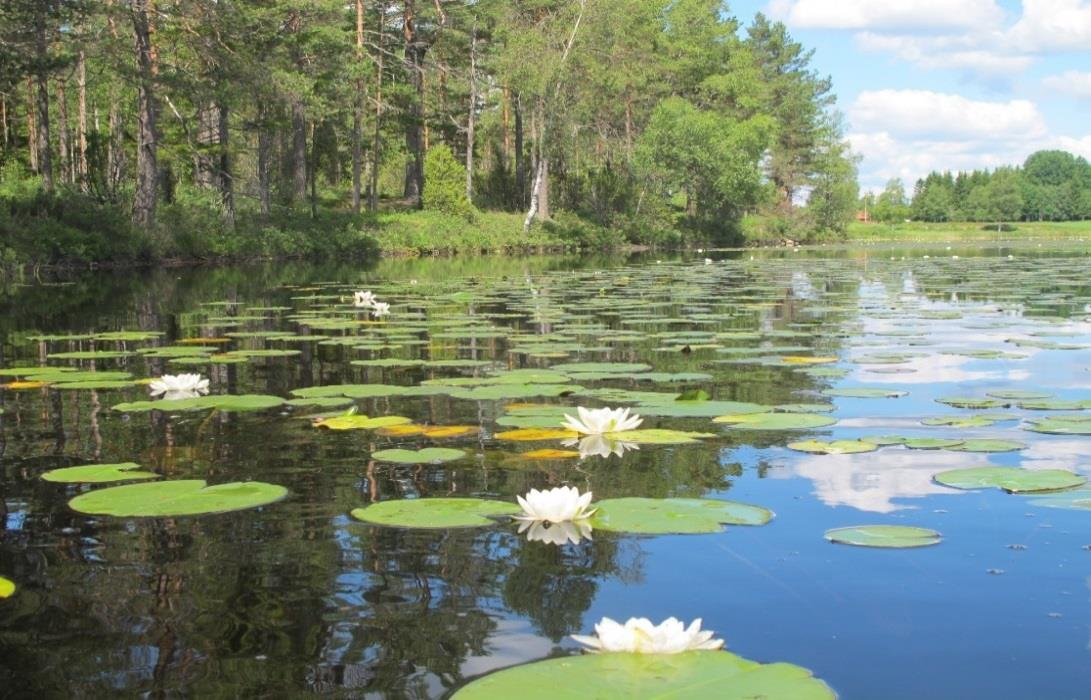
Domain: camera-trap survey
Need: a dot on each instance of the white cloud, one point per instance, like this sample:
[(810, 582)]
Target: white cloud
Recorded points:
[(1071, 82), (955, 52), (923, 113), (899, 15), (1048, 26)]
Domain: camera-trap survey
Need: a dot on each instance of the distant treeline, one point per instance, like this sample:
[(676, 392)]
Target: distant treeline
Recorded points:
[(1049, 186), (634, 115)]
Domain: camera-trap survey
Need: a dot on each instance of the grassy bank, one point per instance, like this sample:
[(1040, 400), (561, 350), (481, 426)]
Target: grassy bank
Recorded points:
[(968, 232)]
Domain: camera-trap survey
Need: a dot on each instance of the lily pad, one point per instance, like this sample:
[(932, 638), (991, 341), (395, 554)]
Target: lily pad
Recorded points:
[(171, 498), (931, 443), (436, 512), (360, 422), (1010, 479), (222, 402), (695, 675), (428, 455), (973, 402), (835, 447), (548, 453), (989, 445), (698, 409), (776, 421), (886, 536), (661, 516), (884, 440), (1020, 395), (7, 587), (612, 367), (1078, 499), (658, 436), (1061, 425), (98, 473)]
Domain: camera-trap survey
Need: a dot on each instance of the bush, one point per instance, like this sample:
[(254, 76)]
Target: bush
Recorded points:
[(445, 184)]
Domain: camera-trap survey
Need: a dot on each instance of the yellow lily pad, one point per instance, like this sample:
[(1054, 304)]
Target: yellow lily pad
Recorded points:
[(550, 454), (22, 386), (533, 434), (7, 587), (803, 360), (358, 422)]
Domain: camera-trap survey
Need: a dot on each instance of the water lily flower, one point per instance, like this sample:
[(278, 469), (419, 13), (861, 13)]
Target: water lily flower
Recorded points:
[(555, 505), (364, 299), (708, 261), (600, 446), (556, 533), (638, 635), (601, 420), (178, 386), (380, 309)]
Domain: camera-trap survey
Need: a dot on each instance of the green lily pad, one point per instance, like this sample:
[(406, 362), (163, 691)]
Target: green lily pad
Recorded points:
[(979, 421), (89, 355), (1061, 425), (866, 393), (698, 409), (694, 675), (171, 498), (989, 445), (662, 516), (803, 408), (428, 455), (98, 386), (496, 392), (436, 512), (1052, 405), (7, 587), (1010, 479), (658, 436), (612, 367), (1078, 499), (320, 402), (360, 422), (98, 473), (884, 440), (222, 402), (973, 402), (887, 536), (835, 447), (931, 443), (776, 421)]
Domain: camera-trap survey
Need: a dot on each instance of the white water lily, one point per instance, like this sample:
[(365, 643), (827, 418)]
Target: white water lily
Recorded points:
[(638, 635), (600, 446), (364, 299), (380, 309), (556, 533), (708, 261), (596, 421), (178, 386), (558, 505)]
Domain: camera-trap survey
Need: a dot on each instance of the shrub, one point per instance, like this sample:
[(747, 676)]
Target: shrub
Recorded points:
[(445, 184)]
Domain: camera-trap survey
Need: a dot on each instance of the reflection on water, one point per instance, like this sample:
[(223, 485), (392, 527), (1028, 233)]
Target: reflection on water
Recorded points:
[(298, 598)]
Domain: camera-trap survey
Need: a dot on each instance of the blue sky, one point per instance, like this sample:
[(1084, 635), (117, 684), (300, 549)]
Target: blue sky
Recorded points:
[(948, 84)]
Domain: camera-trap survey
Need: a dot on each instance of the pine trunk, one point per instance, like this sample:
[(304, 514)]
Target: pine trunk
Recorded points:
[(299, 152), (81, 123), (144, 198)]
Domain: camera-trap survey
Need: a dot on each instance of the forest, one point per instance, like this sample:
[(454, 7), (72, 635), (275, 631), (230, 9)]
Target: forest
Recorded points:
[(1049, 186), (153, 129)]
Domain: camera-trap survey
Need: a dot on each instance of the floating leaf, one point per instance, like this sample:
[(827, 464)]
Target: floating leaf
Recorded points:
[(171, 498), (1078, 499), (661, 516), (360, 422), (694, 675), (99, 386), (98, 473), (89, 355), (429, 431), (428, 455), (930, 443), (24, 385), (884, 440), (835, 447), (657, 436), (535, 434), (803, 360), (1052, 405), (7, 587), (549, 454), (611, 367), (887, 536), (436, 512), (1010, 479), (973, 402), (803, 408), (319, 402), (1061, 425), (776, 421), (222, 402), (989, 445), (698, 409)]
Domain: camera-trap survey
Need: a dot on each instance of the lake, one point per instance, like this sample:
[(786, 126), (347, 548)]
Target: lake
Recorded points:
[(297, 596)]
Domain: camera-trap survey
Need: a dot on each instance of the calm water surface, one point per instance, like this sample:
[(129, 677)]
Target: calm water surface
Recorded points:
[(297, 598)]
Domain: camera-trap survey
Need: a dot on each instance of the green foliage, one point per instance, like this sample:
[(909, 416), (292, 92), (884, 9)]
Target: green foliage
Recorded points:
[(445, 184)]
